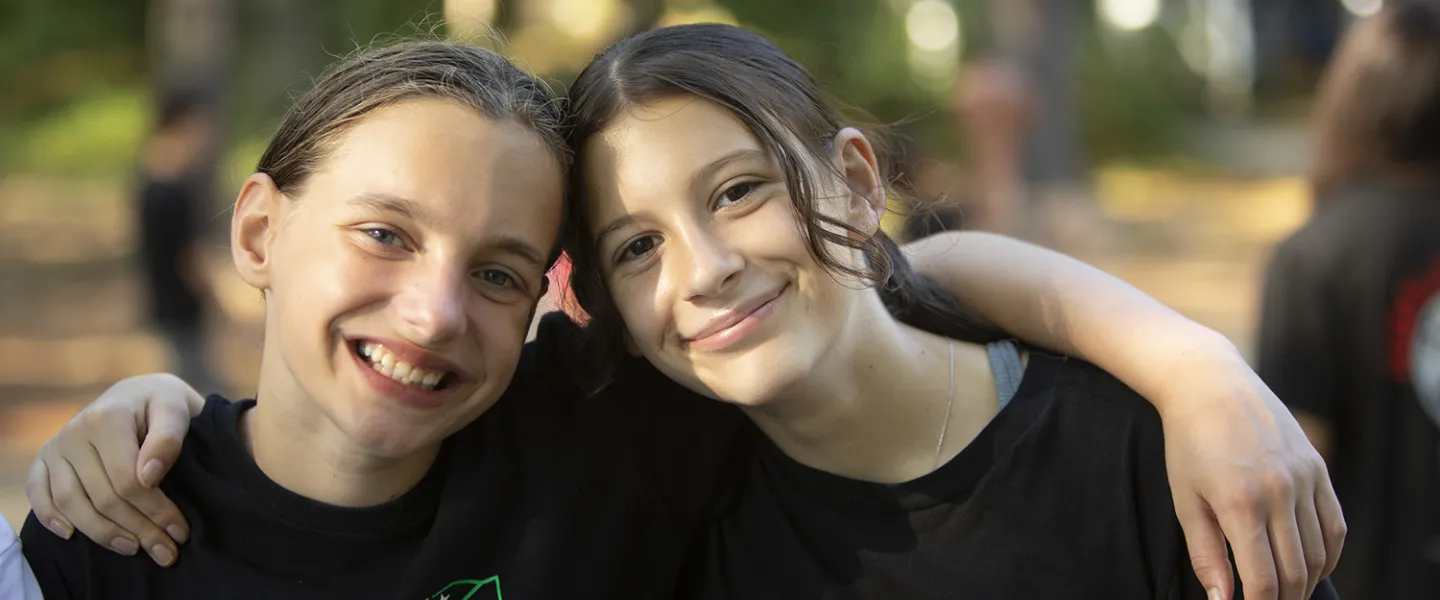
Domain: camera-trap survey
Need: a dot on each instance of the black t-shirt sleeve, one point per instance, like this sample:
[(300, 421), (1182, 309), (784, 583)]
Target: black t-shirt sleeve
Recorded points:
[(59, 564), (1296, 339)]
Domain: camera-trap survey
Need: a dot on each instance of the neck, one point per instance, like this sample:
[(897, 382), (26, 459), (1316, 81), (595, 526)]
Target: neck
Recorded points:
[(285, 424), (874, 407)]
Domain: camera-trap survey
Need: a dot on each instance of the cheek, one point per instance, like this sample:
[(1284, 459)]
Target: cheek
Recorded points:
[(500, 329), (640, 303)]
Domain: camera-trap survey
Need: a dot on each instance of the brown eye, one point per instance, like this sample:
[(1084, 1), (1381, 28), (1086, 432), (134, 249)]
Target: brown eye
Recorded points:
[(735, 193), (638, 248)]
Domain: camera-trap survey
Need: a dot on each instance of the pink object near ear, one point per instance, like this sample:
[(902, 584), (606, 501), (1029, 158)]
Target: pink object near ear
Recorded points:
[(560, 294)]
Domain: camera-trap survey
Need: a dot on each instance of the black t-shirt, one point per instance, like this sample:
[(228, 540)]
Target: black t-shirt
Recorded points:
[(1350, 331), (168, 229), (547, 495), (1062, 495)]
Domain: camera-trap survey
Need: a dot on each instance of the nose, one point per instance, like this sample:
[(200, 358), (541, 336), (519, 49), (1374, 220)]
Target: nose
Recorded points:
[(714, 264), (432, 306)]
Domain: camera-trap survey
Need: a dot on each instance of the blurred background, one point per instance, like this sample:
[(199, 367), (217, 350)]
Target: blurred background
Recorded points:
[(1163, 140)]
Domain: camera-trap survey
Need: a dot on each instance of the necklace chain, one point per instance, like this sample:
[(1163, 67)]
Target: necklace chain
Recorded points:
[(945, 425)]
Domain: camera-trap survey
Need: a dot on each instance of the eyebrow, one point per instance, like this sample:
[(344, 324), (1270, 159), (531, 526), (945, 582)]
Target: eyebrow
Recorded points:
[(391, 203), (614, 226), (739, 156), (520, 249), (703, 174), (414, 210)]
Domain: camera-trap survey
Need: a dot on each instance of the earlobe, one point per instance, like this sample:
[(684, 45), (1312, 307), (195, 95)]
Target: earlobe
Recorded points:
[(860, 167), (253, 227)]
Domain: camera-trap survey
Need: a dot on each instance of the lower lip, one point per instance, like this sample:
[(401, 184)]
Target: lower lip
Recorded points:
[(733, 335), (407, 395)]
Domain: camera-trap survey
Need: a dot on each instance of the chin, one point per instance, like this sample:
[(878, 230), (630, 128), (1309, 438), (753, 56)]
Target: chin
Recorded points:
[(388, 435), (748, 385)]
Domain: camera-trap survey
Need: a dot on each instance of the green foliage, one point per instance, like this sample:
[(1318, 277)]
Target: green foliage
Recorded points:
[(75, 71), (52, 51), (1135, 93), (99, 134)]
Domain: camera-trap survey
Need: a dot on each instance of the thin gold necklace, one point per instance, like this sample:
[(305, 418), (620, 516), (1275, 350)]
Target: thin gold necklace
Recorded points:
[(945, 425)]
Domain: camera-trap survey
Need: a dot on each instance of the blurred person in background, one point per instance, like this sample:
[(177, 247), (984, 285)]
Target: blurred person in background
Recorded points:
[(1350, 327), (169, 232)]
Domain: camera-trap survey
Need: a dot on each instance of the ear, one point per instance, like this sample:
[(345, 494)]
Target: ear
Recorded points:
[(253, 229), (856, 161)]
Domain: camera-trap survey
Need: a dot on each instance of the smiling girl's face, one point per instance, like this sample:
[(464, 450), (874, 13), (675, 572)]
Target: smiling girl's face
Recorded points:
[(700, 247), (401, 279)]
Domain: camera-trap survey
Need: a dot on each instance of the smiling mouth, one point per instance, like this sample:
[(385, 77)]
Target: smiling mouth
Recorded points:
[(384, 362), (729, 330)]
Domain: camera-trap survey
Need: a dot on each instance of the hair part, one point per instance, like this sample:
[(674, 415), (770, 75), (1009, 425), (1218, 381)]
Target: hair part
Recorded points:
[(1378, 112), (785, 110)]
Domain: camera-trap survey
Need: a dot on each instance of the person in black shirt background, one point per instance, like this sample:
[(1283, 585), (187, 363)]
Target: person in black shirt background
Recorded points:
[(727, 230), (169, 226), (1350, 321)]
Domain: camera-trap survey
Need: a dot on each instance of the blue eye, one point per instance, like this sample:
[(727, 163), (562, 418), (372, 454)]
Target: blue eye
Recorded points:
[(638, 248), (736, 193), (384, 236)]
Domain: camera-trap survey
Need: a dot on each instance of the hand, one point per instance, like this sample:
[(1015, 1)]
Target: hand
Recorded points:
[(96, 477), (1240, 464)]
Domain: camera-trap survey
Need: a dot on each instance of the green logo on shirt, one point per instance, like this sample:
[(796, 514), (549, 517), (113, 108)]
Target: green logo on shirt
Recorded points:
[(470, 589)]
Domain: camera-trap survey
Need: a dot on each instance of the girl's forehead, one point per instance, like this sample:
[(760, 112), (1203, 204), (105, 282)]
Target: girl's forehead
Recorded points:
[(450, 163)]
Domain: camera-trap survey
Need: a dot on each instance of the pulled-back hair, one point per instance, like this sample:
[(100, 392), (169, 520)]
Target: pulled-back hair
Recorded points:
[(1378, 113), (376, 78), (784, 109)]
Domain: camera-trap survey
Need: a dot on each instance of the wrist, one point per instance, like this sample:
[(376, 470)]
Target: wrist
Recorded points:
[(1204, 359)]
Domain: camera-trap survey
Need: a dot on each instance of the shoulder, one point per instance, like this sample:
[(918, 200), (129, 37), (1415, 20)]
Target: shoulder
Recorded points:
[(210, 429), (1083, 386), (49, 562), (1073, 404), (17, 581), (1353, 223)]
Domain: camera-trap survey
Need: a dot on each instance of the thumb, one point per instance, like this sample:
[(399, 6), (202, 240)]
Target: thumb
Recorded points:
[(1208, 554), (166, 425)]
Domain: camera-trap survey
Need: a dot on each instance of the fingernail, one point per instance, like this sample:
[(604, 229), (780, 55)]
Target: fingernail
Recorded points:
[(150, 473), (61, 528), (162, 555), (1214, 594), (178, 533), (125, 546)]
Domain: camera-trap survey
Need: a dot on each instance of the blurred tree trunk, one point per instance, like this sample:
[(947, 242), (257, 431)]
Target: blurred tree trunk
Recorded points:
[(1040, 37)]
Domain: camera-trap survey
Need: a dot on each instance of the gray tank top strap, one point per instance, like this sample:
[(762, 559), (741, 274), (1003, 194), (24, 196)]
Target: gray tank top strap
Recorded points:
[(1005, 363)]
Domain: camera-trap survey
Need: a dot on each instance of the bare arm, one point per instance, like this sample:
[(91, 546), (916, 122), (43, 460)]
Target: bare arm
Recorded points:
[(1240, 466), (1053, 300)]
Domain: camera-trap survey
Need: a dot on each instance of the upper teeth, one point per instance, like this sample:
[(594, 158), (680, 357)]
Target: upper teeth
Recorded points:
[(385, 363)]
